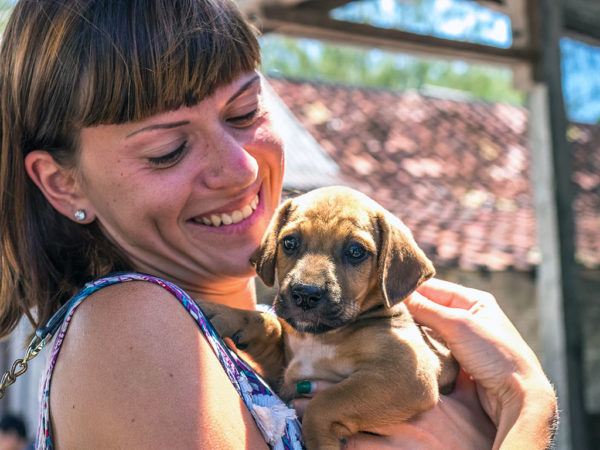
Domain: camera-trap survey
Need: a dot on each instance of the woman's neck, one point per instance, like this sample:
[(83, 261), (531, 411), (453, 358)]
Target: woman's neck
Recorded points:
[(237, 293)]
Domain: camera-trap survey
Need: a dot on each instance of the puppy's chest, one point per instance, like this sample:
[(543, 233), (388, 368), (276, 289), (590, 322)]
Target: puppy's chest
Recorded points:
[(311, 357)]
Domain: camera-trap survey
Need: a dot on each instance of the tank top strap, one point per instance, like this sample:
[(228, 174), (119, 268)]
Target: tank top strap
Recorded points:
[(277, 423)]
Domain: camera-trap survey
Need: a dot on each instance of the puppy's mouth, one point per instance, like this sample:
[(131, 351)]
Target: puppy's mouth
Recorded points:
[(317, 320), (309, 327)]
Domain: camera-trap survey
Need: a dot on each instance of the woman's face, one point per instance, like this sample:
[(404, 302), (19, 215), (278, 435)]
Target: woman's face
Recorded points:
[(189, 193)]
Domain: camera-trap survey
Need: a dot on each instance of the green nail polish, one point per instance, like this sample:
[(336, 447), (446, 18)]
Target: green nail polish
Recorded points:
[(303, 387)]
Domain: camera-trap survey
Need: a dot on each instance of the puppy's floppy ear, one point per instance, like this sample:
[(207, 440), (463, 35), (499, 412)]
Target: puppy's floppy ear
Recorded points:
[(402, 265), (264, 259)]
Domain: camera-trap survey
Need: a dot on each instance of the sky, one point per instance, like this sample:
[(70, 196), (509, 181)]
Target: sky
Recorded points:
[(452, 19), (581, 80)]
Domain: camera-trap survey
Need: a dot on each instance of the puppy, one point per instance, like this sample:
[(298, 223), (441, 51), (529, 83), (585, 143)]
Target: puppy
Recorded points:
[(343, 266)]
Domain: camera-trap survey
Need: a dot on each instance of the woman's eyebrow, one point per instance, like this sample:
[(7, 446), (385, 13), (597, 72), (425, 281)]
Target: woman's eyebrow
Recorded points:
[(239, 92), (159, 126), (244, 88)]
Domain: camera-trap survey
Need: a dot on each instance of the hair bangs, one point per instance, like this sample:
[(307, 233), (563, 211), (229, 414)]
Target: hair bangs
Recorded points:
[(160, 56)]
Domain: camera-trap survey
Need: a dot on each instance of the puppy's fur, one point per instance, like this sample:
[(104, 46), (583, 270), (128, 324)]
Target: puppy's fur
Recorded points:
[(343, 265)]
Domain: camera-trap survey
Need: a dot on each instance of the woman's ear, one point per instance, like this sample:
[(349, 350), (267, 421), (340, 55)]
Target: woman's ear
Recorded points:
[(59, 185)]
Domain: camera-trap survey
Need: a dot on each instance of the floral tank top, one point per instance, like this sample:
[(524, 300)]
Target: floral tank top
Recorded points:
[(277, 423)]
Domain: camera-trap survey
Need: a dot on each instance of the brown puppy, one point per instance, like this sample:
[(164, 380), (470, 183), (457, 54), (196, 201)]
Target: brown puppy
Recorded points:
[(343, 264)]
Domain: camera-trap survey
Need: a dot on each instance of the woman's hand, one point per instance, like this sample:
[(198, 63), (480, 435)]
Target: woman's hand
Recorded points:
[(502, 397), (511, 385), (457, 422)]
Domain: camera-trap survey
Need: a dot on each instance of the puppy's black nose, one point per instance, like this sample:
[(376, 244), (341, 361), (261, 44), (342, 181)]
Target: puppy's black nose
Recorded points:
[(306, 296)]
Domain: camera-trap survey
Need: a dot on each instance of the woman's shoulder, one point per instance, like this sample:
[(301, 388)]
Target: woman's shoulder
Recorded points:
[(127, 311), (127, 303), (135, 369)]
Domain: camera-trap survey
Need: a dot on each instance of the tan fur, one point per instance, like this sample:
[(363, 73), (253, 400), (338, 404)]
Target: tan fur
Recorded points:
[(342, 320)]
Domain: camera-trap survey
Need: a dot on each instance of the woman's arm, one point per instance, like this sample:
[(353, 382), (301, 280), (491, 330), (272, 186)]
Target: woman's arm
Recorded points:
[(135, 372), (456, 422)]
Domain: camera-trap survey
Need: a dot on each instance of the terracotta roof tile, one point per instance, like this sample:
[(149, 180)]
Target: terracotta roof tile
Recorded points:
[(457, 173)]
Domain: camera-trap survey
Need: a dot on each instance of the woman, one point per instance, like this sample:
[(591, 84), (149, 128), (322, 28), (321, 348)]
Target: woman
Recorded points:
[(134, 139)]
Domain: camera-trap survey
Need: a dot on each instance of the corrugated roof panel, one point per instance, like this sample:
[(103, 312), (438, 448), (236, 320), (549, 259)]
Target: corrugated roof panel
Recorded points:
[(308, 166)]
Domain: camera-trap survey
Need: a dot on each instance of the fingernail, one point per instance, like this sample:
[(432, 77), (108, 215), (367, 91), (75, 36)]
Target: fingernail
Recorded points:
[(304, 387)]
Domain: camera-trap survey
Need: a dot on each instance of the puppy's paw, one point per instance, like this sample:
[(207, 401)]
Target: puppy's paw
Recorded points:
[(228, 322), (258, 335)]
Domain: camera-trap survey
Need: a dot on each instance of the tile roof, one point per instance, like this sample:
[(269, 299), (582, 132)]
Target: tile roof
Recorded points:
[(457, 173)]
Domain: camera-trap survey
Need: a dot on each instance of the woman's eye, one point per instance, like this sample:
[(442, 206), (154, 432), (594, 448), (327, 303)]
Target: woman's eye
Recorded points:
[(290, 244), (245, 120), (170, 158), (356, 253)]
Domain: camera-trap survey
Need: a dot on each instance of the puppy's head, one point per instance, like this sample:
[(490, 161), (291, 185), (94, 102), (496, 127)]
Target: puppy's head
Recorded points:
[(337, 253)]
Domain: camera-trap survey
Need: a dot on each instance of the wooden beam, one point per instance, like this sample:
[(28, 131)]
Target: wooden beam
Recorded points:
[(574, 25), (313, 23), (557, 284), (584, 38), (582, 17), (324, 5)]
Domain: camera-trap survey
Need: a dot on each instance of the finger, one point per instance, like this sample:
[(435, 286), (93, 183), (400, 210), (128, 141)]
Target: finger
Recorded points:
[(300, 405), (309, 388), (306, 387), (447, 294), (465, 390), (432, 315)]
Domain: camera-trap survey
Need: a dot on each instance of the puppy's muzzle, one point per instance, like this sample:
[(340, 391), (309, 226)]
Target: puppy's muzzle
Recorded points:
[(307, 296), (311, 307)]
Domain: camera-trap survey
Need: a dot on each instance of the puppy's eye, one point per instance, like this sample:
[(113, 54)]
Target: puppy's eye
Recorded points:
[(355, 253), (290, 244)]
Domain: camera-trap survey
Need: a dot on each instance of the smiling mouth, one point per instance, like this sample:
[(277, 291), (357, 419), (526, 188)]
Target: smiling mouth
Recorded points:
[(222, 219)]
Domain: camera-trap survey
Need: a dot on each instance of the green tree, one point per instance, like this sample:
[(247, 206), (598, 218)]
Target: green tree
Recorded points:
[(6, 6), (315, 60)]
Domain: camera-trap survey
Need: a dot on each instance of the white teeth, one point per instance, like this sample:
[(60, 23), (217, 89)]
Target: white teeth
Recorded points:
[(247, 211), (237, 216), (233, 217)]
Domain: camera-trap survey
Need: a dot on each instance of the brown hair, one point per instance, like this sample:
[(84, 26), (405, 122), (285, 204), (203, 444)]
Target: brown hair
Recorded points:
[(69, 64)]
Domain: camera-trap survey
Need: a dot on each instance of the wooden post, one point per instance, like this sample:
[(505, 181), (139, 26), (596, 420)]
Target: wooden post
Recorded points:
[(557, 284)]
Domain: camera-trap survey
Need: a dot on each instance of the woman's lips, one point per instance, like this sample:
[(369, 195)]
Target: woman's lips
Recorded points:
[(228, 218)]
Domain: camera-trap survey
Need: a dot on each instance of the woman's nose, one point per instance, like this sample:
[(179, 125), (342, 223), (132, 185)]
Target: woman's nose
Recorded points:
[(232, 166)]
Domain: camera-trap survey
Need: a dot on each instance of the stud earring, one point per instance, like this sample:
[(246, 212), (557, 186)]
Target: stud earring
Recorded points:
[(80, 214)]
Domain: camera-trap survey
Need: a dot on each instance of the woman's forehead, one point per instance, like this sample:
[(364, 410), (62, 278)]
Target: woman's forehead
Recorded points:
[(173, 118)]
